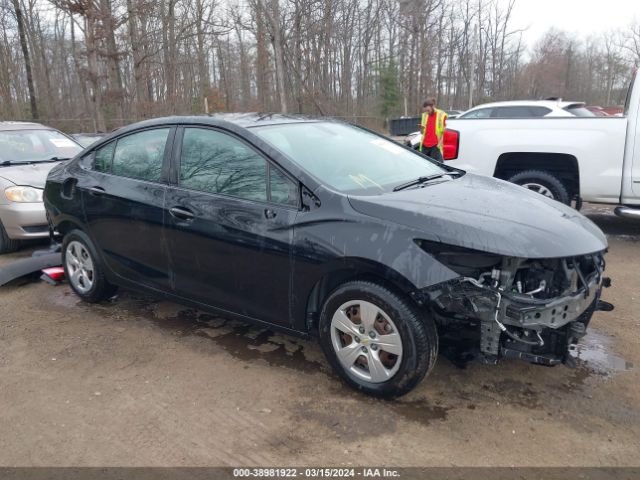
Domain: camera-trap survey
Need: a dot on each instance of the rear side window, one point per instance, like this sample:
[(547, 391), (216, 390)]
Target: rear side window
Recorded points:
[(140, 155), (102, 158), (521, 112), (580, 112), (540, 111), (215, 162)]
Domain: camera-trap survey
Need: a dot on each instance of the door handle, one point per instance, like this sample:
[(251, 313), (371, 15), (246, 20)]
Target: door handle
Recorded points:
[(96, 190), (181, 213), (268, 213)]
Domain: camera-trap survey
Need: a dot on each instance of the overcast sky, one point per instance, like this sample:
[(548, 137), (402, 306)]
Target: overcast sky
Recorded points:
[(582, 17)]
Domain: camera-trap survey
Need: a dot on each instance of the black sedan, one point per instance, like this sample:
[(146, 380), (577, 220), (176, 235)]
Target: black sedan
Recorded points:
[(320, 228)]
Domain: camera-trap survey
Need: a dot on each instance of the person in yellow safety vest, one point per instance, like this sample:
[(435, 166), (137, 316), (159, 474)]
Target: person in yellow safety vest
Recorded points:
[(432, 126)]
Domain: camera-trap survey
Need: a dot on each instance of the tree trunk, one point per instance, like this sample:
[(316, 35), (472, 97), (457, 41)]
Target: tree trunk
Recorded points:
[(262, 59), (27, 59), (273, 16)]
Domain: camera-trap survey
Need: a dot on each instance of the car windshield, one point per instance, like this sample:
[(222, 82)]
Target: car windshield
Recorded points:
[(35, 146), (347, 158)]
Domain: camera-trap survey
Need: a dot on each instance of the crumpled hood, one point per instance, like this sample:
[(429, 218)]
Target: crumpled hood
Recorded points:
[(489, 215), (34, 175)]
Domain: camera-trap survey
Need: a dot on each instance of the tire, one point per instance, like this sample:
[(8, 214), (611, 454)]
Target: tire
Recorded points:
[(90, 283), (417, 338), (548, 183), (7, 245)]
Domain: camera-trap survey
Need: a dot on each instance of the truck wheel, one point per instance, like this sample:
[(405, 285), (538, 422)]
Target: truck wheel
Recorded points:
[(7, 245), (378, 342), (543, 183)]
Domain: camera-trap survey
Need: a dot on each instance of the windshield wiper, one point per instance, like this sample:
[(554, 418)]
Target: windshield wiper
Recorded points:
[(8, 163), (54, 159), (421, 180)]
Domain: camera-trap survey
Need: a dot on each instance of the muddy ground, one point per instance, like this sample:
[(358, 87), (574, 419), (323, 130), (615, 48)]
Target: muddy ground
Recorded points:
[(143, 382)]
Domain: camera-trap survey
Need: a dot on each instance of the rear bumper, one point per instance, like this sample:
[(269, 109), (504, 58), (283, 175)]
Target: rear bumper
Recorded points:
[(24, 221), (627, 212)]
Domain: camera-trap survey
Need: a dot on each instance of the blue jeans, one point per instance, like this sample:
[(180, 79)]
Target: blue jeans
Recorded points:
[(433, 152)]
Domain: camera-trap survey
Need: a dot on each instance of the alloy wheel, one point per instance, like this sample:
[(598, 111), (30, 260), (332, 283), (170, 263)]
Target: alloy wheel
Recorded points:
[(538, 188), (366, 341), (79, 266)]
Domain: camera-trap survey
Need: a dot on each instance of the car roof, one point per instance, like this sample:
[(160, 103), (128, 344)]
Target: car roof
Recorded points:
[(8, 125), (244, 120), (259, 119), (529, 103)]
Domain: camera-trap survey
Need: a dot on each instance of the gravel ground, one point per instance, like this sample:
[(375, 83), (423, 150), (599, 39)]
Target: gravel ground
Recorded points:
[(143, 382)]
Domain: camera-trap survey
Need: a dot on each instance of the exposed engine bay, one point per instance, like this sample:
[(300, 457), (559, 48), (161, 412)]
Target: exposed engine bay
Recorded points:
[(531, 309)]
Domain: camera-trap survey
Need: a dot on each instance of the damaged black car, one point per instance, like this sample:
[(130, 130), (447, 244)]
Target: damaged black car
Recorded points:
[(319, 228)]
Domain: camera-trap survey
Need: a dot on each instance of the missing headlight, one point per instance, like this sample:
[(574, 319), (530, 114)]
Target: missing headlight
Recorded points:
[(464, 261)]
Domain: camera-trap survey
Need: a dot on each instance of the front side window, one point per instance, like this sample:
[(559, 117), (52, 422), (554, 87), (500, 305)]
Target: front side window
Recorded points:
[(140, 155), (102, 158), (281, 189), (215, 162)]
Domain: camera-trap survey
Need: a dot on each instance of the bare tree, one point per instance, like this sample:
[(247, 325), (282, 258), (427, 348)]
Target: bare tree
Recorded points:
[(98, 64)]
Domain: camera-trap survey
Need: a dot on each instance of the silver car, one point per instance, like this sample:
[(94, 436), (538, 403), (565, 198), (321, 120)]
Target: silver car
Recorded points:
[(27, 152)]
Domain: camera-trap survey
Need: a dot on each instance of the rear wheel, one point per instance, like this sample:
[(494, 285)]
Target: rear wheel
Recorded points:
[(83, 268), (377, 341), (7, 245), (544, 183)]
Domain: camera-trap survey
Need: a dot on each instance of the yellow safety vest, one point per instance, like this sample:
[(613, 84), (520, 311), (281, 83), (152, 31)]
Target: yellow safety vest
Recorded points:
[(440, 119)]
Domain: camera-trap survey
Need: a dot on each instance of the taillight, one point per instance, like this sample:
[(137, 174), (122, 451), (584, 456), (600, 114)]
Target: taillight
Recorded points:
[(451, 143), (53, 275)]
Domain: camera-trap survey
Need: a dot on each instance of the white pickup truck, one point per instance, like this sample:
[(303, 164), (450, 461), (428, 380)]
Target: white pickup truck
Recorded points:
[(593, 159)]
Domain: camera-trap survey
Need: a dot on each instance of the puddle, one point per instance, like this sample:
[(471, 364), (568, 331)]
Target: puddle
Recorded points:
[(243, 341), (593, 353)]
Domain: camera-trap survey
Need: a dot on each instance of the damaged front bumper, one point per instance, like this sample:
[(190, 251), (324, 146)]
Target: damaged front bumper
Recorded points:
[(532, 313), (531, 326)]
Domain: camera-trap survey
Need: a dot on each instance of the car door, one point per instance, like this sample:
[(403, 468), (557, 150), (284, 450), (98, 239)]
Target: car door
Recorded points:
[(230, 226), (123, 199)]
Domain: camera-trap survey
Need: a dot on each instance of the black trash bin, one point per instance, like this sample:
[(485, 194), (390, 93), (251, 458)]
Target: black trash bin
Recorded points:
[(403, 126)]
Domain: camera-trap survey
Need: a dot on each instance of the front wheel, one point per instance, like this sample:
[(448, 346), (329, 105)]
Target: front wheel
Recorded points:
[(83, 268), (544, 183), (377, 341), (7, 245)]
